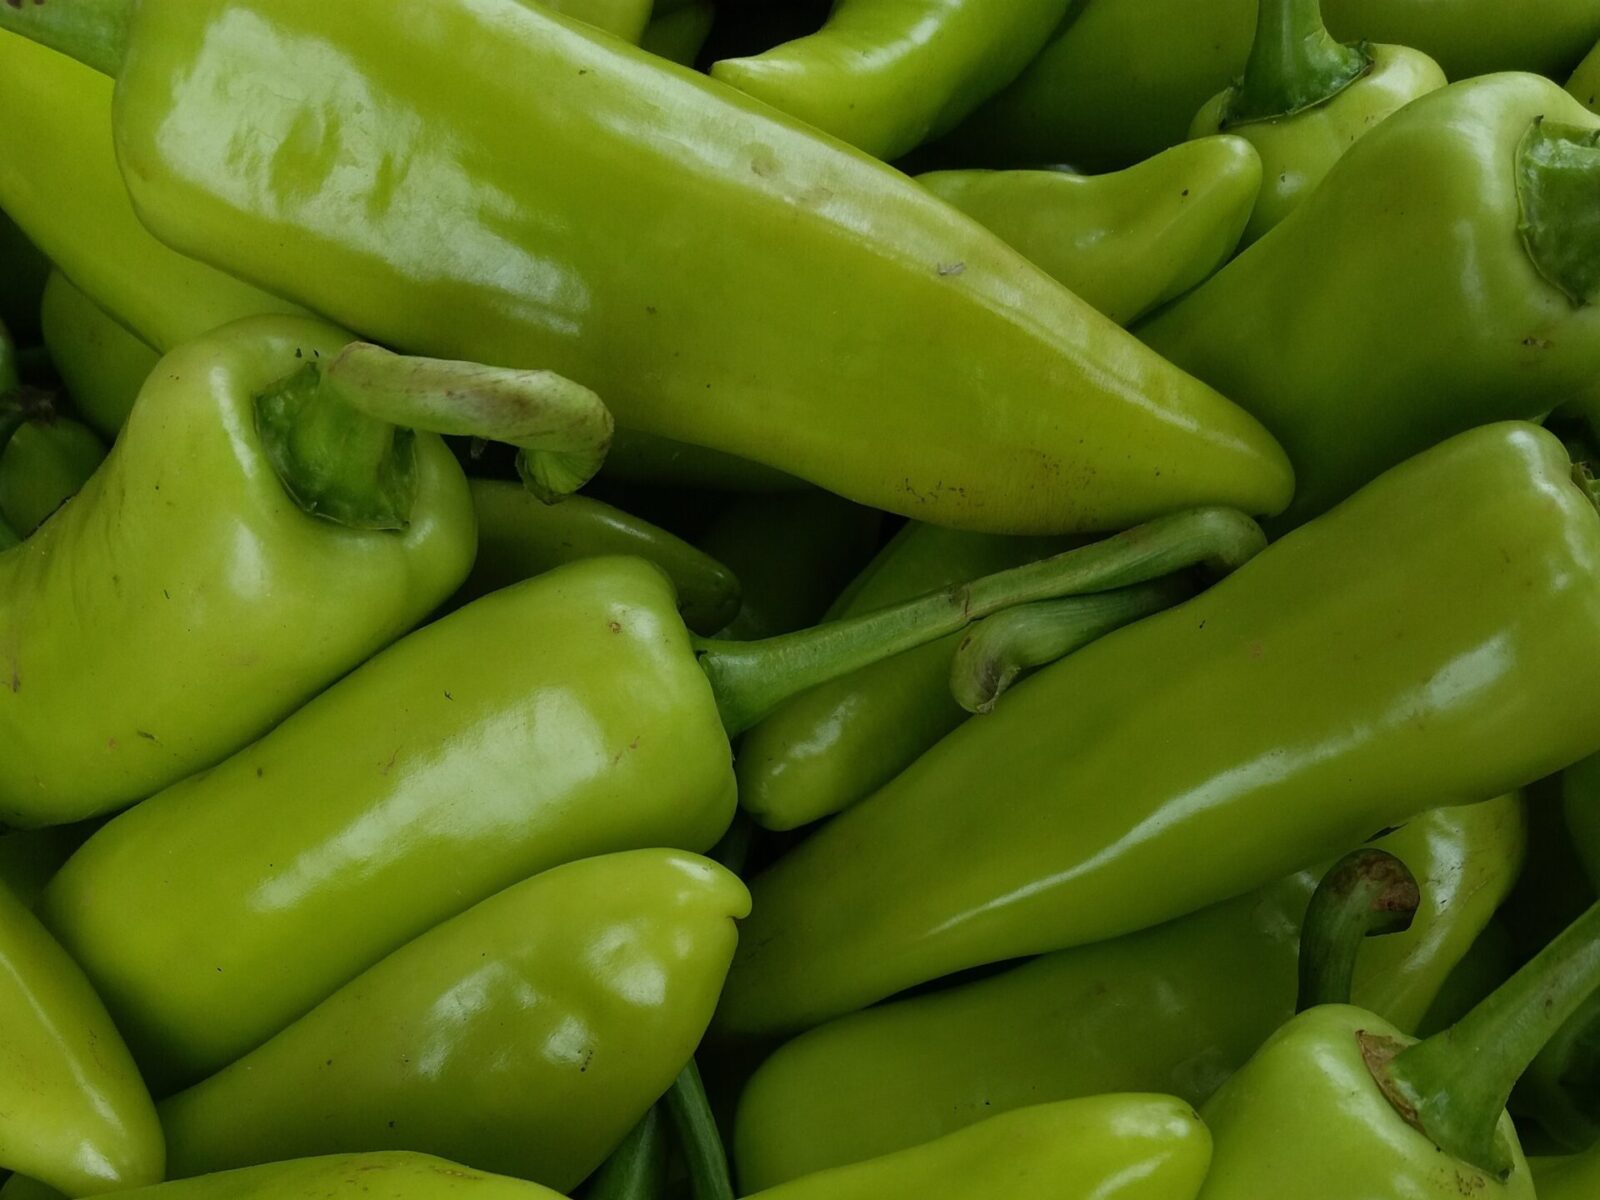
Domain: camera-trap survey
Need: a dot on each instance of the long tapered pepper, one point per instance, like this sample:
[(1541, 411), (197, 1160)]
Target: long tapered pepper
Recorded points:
[(446, 774), (101, 363), (1176, 1009), (886, 75), (1482, 189), (1195, 727), (394, 1174), (992, 398)]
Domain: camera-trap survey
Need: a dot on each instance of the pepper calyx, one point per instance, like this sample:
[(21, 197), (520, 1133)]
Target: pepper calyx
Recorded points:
[(1558, 193)]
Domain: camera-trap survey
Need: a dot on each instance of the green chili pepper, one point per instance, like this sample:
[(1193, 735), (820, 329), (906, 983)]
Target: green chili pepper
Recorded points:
[(886, 75), (1584, 82), (1123, 78), (520, 537), (102, 364), (1098, 825), (393, 1174), (792, 554), (1128, 241), (1127, 1147), (21, 281), (636, 1169), (1305, 99), (1498, 176), (525, 1036), (1177, 1009), (73, 1110), (47, 460), (1576, 1177), (250, 449), (680, 33), (626, 19), (829, 747), (436, 774), (1348, 1104), (992, 398)]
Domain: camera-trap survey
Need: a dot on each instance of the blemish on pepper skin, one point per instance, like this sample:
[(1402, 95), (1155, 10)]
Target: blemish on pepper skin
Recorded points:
[(614, 626), (389, 766), (946, 270)]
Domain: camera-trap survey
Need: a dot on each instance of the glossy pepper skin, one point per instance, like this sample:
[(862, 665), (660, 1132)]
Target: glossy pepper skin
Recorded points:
[(394, 1174), (183, 560), (102, 364), (1004, 403), (1420, 703), (73, 1110), (886, 75), (1302, 105), (1124, 1147), (1306, 1118), (1127, 241), (831, 746), (1421, 220), (625, 19), (525, 1036), (519, 537), (430, 778), (1177, 1008)]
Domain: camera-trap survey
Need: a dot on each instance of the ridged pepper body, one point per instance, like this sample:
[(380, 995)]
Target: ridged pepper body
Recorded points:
[(191, 596), (1185, 759), (811, 308)]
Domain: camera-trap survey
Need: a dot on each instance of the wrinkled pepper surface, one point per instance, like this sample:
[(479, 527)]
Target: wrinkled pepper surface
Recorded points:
[(1097, 827), (1176, 1009), (1128, 241), (1026, 427), (102, 364), (1471, 206), (1306, 98), (185, 559), (886, 75), (525, 1036), (1124, 1147), (73, 1111)]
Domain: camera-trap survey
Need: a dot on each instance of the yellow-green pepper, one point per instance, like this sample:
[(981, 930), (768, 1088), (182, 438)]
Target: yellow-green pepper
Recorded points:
[(102, 364)]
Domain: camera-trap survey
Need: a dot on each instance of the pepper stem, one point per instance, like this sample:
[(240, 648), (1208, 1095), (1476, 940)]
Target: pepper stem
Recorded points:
[(750, 679), (1295, 64), (1364, 894), (698, 1137), (1558, 188), (561, 428), (637, 1169), (1454, 1086), (1000, 648), (95, 32)]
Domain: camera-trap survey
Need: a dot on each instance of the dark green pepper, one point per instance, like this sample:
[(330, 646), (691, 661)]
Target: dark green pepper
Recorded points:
[(1128, 766)]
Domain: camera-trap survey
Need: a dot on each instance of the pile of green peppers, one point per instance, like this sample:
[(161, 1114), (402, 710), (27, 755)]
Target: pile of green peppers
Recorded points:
[(693, 599)]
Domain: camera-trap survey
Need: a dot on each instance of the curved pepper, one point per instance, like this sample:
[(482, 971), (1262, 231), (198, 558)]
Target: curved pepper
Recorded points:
[(886, 75), (1584, 82), (1096, 826), (1305, 99), (1475, 37), (792, 553), (1177, 1008), (73, 1111), (1482, 189), (1128, 241), (185, 559), (679, 34), (992, 398), (519, 537), (625, 19), (102, 364), (392, 1174), (525, 1036), (48, 459), (1125, 1147), (346, 830)]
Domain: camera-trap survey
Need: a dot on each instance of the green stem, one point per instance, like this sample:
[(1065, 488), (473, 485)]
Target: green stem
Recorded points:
[(95, 32), (1295, 64), (561, 428), (1364, 894), (1454, 1086), (698, 1137), (998, 650), (1558, 186), (637, 1169), (750, 679)]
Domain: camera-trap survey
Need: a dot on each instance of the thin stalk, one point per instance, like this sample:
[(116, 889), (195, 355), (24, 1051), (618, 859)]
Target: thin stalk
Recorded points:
[(1454, 1086), (997, 651), (1364, 894), (1295, 64), (750, 679), (95, 32), (637, 1169), (698, 1137)]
